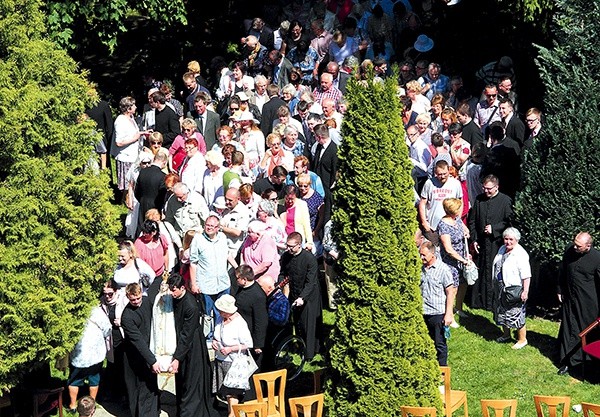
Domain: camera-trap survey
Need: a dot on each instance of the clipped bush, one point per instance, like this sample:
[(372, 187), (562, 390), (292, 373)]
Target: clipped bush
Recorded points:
[(382, 356), (56, 222)]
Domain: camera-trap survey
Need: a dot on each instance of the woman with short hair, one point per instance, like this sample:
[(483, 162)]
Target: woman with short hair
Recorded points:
[(128, 140), (189, 130), (512, 276), (453, 232), (259, 250)]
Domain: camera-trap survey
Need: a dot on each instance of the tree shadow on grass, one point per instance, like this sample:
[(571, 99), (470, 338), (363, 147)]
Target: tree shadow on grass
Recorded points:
[(546, 344), (480, 325)]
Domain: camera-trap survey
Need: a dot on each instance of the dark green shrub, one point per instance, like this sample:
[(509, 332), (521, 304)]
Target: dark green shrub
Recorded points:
[(560, 192)]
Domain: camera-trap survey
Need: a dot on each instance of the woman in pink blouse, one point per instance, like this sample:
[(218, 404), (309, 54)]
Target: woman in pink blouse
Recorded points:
[(259, 251)]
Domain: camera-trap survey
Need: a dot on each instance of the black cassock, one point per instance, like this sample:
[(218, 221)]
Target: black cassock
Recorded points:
[(193, 379), (142, 388), (497, 212), (579, 285), (302, 271)]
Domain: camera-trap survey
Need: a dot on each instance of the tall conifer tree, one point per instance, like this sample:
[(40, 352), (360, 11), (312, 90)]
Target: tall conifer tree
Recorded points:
[(56, 222), (382, 356)]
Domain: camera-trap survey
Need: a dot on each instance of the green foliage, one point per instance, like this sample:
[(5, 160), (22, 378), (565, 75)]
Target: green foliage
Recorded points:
[(107, 19), (56, 222), (559, 196), (382, 356), (534, 11)]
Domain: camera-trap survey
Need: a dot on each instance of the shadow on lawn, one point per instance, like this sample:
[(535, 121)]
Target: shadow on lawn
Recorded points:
[(546, 344), (484, 327), (481, 325)]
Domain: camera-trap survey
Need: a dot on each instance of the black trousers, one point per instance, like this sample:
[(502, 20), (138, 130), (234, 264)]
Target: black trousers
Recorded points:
[(435, 326)]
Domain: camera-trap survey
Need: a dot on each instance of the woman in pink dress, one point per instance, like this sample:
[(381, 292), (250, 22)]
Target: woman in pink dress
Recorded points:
[(259, 251)]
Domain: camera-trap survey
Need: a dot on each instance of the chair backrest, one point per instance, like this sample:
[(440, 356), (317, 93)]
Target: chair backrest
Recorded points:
[(594, 408), (445, 370), (499, 406), (256, 409), (552, 402), (271, 379), (408, 411), (306, 405)]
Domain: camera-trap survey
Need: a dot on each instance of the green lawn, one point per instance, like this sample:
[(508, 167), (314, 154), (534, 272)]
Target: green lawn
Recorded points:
[(486, 369)]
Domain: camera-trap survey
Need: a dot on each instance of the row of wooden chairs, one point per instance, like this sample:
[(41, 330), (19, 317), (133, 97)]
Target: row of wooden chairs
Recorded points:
[(552, 403), (270, 399), (308, 406)]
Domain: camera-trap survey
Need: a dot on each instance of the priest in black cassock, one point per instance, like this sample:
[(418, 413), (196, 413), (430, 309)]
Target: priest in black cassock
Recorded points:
[(578, 290), (140, 364), (190, 361), (300, 266), (488, 218)]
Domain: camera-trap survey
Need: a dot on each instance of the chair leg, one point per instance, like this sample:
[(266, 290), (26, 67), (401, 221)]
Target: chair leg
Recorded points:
[(466, 408)]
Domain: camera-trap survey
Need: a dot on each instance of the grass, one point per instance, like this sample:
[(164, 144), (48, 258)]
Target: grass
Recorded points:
[(490, 370)]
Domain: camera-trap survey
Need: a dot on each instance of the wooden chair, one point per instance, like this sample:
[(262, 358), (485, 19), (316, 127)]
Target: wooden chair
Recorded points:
[(552, 402), (408, 411), (452, 399), (306, 405), (594, 408), (499, 406), (275, 399), (590, 348), (255, 409)]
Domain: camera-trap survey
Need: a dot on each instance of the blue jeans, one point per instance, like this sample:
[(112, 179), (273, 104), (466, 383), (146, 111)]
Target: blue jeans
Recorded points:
[(211, 310)]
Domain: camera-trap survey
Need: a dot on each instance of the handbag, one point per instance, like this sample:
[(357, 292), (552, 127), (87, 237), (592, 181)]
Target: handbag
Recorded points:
[(145, 279), (511, 296), (238, 375), (470, 271)]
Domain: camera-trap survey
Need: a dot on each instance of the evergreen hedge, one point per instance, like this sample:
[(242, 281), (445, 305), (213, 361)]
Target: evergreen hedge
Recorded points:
[(56, 222), (382, 356), (561, 194)]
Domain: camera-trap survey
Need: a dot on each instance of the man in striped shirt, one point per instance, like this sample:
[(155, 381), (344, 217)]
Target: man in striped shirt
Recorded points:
[(438, 295)]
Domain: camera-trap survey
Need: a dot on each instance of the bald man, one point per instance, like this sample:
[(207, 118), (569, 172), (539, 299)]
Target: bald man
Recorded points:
[(234, 223), (326, 89), (578, 291)]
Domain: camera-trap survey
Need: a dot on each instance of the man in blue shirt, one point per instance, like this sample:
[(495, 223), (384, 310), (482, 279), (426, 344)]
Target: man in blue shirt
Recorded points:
[(208, 264)]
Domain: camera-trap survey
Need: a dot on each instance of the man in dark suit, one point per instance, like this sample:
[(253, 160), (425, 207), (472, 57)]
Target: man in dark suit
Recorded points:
[(471, 132), (514, 128), (503, 160), (150, 188), (324, 163), (208, 121), (269, 112), (165, 119), (281, 69), (340, 78)]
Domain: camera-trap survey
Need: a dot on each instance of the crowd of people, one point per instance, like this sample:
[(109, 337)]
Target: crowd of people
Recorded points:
[(229, 190)]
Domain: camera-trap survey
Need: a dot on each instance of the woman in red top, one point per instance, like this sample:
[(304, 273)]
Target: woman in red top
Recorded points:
[(152, 247)]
